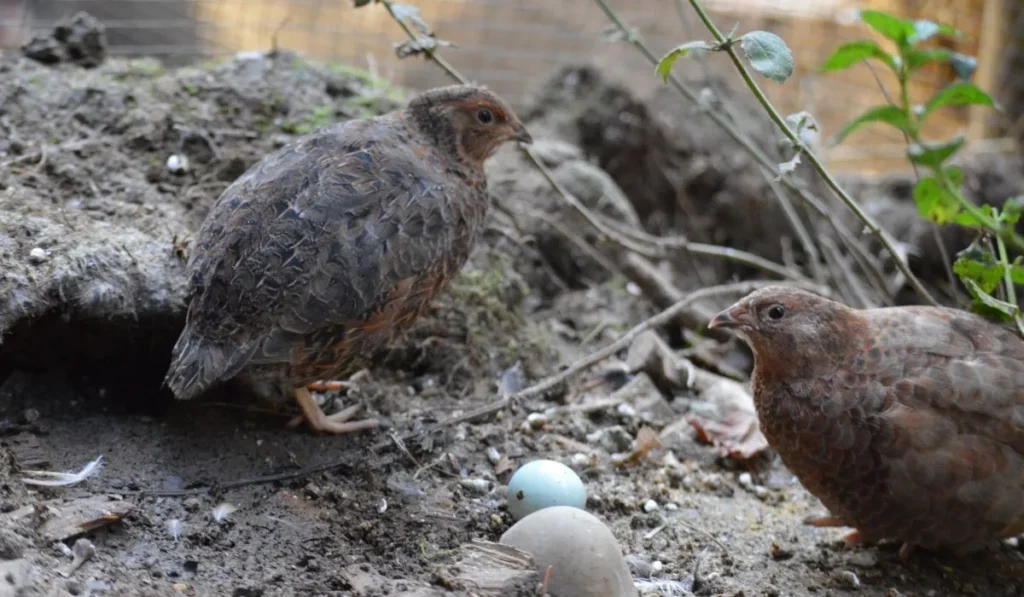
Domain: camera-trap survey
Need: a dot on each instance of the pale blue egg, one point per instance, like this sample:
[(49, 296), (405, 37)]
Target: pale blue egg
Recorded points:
[(541, 484)]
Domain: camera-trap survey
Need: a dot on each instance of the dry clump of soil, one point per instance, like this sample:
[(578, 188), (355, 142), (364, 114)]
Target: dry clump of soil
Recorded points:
[(95, 216)]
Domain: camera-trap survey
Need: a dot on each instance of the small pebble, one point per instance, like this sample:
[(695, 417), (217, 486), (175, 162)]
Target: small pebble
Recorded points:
[(848, 578), (177, 164), (537, 420), (480, 486), (626, 410), (760, 491), (746, 480), (657, 567), (493, 455), (671, 507), (192, 504), (651, 506), (580, 460), (540, 484), (862, 559), (37, 255)]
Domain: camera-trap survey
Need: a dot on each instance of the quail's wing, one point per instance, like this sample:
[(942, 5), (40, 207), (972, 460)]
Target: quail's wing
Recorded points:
[(952, 419), (321, 234)]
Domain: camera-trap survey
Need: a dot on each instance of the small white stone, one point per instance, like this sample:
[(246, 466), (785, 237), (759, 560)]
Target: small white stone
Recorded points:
[(493, 455), (651, 506), (177, 164), (537, 420), (657, 566), (671, 507), (37, 255), (579, 459), (477, 485), (862, 559), (746, 480), (848, 578), (626, 410)]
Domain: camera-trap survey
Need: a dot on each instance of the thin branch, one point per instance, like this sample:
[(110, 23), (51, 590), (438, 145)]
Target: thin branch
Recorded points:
[(710, 250), (936, 232), (768, 166), (664, 317), (620, 235), (830, 181)]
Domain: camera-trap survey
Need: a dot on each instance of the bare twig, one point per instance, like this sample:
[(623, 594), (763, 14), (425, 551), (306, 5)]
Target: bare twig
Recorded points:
[(830, 181), (535, 390), (621, 235), (709, 250), (767, 164)]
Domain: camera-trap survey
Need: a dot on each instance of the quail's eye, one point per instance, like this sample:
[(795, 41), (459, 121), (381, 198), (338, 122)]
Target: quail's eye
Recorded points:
[(485, 116), (776, 312)]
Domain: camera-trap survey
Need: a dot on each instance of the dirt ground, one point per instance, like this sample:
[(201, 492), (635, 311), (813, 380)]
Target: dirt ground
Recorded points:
[(87, 322)]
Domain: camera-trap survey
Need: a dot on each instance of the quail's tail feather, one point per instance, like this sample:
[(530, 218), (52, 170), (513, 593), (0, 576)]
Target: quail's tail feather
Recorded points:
[(197, 365)]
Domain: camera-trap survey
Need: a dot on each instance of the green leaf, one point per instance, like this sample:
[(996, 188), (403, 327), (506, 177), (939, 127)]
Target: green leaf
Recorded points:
[(768, 55), (962, 93), (989, 303), (925, 30), (887, 114), (968, 219), (898, 30), (852, 53), (986, 273), (935, 203), (917, 58), (1012, 210), (1017, 273), (934, 155), (964, 65), (665, 65)]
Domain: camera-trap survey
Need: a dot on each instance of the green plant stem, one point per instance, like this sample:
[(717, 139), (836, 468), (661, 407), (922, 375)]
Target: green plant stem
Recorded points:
[(912, 131), (1011, 291), (768, 166), (830, 181)]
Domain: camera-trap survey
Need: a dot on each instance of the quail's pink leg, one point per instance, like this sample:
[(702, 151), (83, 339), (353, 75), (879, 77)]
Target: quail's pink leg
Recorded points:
[(336, 423), (327, 386), (824, 521), (851, 539)]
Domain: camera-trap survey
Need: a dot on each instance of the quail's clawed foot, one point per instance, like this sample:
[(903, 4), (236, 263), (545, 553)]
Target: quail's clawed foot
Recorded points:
[(328, 386), (336, 423), (852, 539)]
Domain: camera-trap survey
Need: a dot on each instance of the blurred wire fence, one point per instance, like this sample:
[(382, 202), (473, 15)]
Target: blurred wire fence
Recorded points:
[(513, 45)]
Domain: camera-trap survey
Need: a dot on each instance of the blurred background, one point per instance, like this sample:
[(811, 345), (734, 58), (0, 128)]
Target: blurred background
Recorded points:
[(511, 44)]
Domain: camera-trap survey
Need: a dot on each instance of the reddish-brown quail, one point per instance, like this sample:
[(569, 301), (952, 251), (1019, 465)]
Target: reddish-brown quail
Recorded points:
[(906, 422), (322, 252)]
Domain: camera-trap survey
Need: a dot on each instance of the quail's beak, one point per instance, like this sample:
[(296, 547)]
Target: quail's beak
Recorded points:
[(519, 133), (736, 316)]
